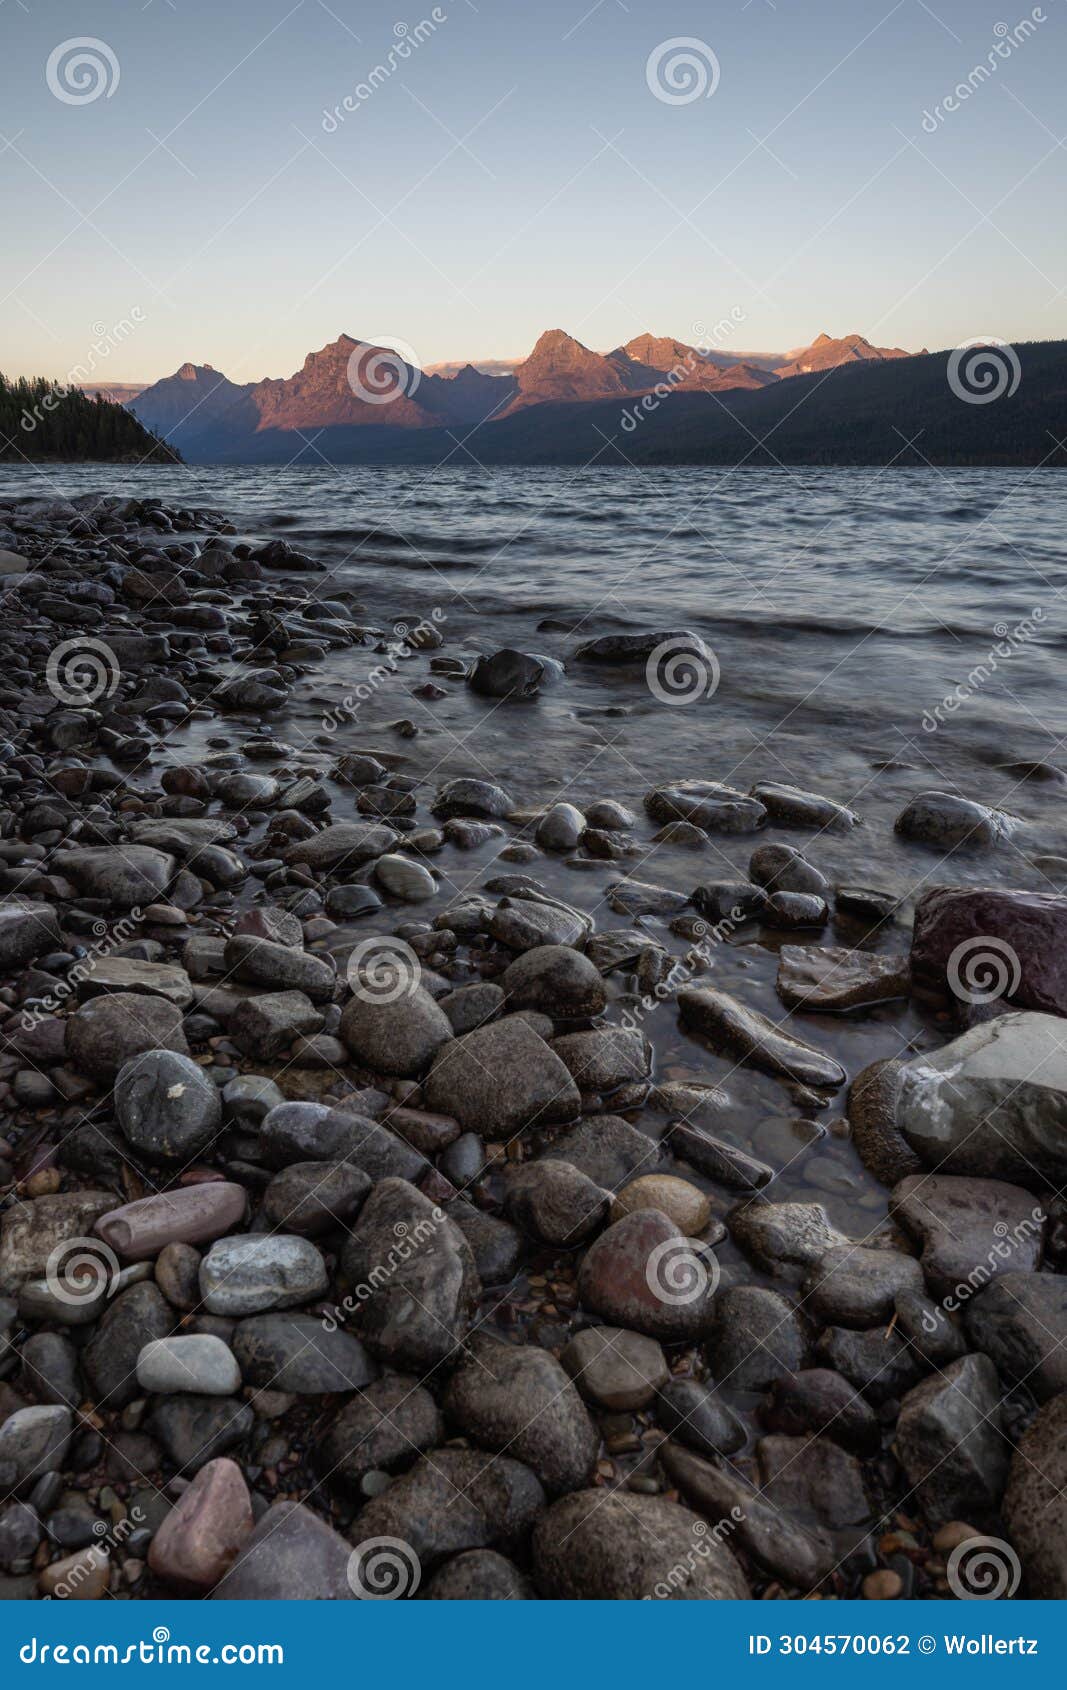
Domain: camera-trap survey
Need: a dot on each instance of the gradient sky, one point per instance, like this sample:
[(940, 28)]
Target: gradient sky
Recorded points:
[(517, 173)]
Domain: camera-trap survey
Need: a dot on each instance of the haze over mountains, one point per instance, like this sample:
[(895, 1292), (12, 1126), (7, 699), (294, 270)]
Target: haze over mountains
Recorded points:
[(351, 384)]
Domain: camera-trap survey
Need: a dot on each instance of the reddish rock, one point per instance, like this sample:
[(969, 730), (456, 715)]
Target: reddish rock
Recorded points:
[(645, 1275), (1017, 940), (192, 1215), (205, 1531)]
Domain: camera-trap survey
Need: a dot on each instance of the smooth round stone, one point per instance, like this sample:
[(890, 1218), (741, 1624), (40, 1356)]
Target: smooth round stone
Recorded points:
[(252, 1274), (688, 1207), (178, 1275), (344, 902), (616, 1369), (166, 1106), (404, 878), (193, 1362), (560, 828)]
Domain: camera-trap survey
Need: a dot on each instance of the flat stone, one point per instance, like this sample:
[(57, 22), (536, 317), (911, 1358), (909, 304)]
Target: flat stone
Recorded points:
[(555, 1201), (555, 980), (757, 1335), (685, 1204), (697, 1416), (105, 1033), (453, 1500), (784, 1239), (993, 944), (468, 797), (751, 1039), (794, 807), (607, 1150), (206, 1529), (34, 1441), (501, 1079), (1035, 1502), (342, 844), (131, 1320), (993, 1102), (782, 868), (384, 1428), (196, 1429), (773, 1539), (872, 1115), (816, 1399), (193, 1361), (31, 1231), (480, 1575), (604, 1058), (26, 929), (251, 1273), (518, 1400), (832, 979), (312, 1198), (191, 1214), (300, 1355), (707, 804), (280, 968), (412, 1278), (644, 1274), (398, 1035), (950, 1443), (970, 1230), (951, 823), (615, 1369), (813, 1480), (599, 1546), (721, 1162), (851, 1286), (312, 1132), (127, 877), (265, 1026), (126, 974), (1020, 1322)]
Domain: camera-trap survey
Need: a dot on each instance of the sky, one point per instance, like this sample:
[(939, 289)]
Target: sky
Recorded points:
[(252, 178)]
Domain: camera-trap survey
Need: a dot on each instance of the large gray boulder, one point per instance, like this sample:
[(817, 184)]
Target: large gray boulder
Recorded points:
[(599, 1546), (993, 1102)]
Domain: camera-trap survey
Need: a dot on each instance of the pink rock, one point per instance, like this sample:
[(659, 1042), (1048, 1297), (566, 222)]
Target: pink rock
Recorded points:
[(203, 1534), (191, 1215)]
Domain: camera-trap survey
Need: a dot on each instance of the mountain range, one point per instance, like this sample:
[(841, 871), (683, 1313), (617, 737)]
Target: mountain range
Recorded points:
[(352, 384)]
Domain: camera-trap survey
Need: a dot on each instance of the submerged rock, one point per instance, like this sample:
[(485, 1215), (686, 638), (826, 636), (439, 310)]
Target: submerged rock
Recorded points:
[(750, 1038)]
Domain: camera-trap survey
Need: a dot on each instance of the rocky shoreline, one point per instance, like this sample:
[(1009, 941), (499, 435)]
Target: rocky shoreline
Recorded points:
[(359, 1232)]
